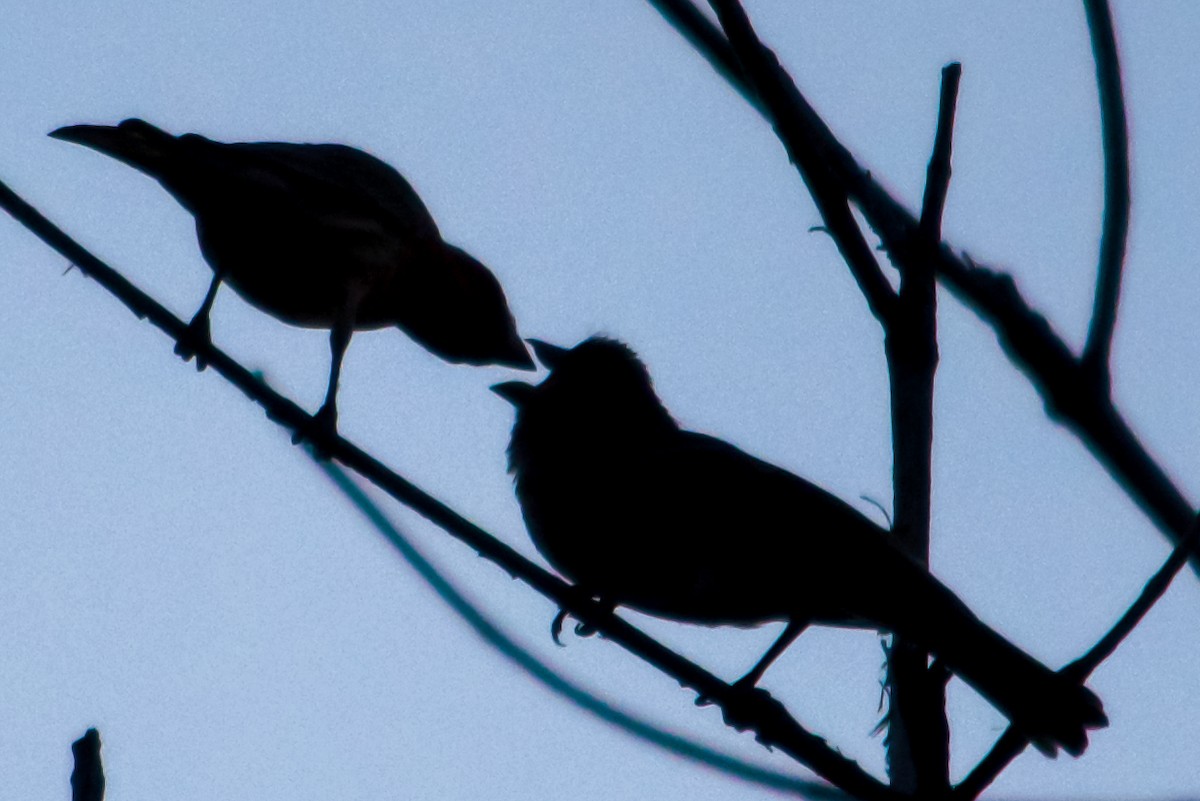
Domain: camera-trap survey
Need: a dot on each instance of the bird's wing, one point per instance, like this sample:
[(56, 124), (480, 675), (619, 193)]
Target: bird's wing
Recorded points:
[(752, 494), (339, 179), (759, 520)]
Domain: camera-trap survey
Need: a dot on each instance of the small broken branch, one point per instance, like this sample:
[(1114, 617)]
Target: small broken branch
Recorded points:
[(87, 779)]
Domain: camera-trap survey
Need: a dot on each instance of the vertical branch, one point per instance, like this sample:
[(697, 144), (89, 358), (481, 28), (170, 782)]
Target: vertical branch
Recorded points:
[(1115, 133), (918, 732), (919, 736)]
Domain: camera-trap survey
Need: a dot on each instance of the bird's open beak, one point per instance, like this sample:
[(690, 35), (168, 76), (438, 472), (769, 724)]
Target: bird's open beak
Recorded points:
[(549, 355), (515, 392)]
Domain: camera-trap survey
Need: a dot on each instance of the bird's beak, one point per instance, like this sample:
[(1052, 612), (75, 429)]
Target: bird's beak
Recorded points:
[(549, 355), (100, 137), (110, 140), (517, 355), (515, 392)]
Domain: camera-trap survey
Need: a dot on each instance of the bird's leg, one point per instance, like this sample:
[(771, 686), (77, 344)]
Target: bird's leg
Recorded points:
[(198, 330), (750, 703), (794, 629), (324, 422)]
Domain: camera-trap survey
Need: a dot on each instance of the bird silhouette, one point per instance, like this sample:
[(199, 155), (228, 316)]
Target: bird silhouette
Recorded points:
[(320, 236), (638, 512)]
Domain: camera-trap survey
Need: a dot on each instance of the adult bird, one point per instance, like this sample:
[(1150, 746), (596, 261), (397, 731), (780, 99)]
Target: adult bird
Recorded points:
[(320, 236), (641, 513)]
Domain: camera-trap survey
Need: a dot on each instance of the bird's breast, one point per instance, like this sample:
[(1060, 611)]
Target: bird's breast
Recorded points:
[(628, 533)]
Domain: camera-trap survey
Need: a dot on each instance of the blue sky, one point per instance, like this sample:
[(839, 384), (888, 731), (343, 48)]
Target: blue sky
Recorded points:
[(178, 575)]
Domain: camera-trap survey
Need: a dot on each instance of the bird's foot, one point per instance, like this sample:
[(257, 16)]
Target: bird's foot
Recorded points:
[(581, 629), (196, 336), (556, 627), (319, 432), (747, 706)]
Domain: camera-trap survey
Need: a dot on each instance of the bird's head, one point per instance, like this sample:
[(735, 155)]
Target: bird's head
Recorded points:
[(597, 391), (179, 163), (463, 316)]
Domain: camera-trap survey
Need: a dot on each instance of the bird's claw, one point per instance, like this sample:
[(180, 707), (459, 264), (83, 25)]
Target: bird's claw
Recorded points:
[(582, 629), (556, 627), (196, 336), (319, 432), (746, 707)]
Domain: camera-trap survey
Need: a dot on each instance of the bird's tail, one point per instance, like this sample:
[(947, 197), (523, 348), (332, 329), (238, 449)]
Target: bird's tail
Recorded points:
[(1049, 708), (134, 142)]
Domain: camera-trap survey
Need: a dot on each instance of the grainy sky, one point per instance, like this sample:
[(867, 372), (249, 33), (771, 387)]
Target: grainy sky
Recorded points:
[(178, 575)]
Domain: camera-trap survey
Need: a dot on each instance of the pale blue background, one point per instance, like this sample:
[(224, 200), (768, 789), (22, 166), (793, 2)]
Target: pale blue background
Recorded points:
[(175, 573)]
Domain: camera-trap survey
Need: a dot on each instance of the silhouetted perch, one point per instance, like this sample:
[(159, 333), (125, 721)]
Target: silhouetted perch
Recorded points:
[(87, 780)]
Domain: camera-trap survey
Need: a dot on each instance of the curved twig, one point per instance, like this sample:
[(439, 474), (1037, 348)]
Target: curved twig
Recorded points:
[(1115, 132)]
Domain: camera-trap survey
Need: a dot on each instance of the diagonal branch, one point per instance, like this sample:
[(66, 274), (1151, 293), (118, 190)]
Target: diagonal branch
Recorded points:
[(710, 42), (776, 90), (1012, 743), (769, 721), (1027, 338), (1115, 131)]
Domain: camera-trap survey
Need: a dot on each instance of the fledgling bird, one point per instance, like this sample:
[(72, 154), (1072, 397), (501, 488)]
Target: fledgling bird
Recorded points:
[(320, 236), (641, 513)]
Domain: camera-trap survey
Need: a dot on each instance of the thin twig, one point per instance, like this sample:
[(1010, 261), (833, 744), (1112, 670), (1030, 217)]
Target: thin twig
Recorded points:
[(775, 88), (1026, 336), (1155, 588), (1012, 743), (769, 721), (1115, 132)]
